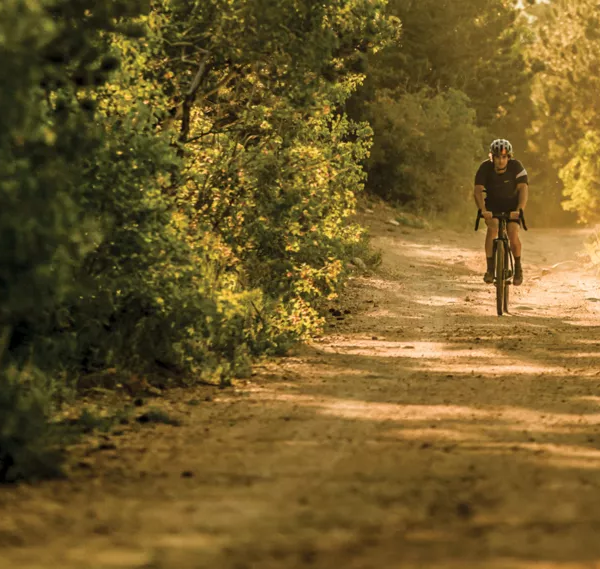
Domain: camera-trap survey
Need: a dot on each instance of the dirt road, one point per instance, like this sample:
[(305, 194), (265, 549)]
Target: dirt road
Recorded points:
[(420, 431)]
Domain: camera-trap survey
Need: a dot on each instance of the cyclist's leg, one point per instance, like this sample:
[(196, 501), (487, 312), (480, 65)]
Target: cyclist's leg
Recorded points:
[(492, 233), (515, 247), (513, 237)]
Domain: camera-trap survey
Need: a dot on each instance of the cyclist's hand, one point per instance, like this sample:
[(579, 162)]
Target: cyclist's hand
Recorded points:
[(487, 215), (515, 214)]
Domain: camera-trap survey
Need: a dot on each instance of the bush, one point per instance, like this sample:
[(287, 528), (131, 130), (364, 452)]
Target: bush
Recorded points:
[(425, 150), (175, 190), (580, 177), (27, 448)]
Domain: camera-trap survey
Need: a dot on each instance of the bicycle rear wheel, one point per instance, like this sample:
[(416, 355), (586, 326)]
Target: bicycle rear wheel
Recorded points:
[(500, 282)]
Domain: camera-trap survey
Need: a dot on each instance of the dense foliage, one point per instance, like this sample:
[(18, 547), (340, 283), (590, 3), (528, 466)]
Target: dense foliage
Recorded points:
[(176, 179), (566, 132), (458, 78)]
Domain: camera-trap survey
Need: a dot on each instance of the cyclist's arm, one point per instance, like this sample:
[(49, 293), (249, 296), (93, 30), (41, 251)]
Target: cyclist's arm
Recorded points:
[(523, 191), (478, 195)]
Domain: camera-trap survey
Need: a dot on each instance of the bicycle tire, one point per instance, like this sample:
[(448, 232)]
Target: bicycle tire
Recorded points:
[(500, 282), (506, 296)]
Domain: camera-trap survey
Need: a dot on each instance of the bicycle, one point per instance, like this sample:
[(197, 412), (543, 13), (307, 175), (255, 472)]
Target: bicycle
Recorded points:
[(504, 263)]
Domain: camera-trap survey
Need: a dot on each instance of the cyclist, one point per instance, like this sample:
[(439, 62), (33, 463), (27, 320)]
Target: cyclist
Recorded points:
[(504, 181)]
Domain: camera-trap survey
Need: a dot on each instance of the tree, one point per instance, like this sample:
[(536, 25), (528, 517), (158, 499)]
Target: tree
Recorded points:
[(474, 48), (176, 180), (566, 127), (53, 56)]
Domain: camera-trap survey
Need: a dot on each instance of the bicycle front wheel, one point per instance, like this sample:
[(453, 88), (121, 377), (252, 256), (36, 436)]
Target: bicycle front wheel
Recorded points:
[(500, 282)]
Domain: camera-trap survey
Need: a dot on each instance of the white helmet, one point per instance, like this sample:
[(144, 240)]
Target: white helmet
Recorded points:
[(499, 145)]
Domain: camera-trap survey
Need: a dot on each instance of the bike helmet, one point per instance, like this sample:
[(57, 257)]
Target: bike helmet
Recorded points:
[(499, 145)]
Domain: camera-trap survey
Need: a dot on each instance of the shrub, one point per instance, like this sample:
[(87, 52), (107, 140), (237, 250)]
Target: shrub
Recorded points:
[(425, 150), (27, 447)]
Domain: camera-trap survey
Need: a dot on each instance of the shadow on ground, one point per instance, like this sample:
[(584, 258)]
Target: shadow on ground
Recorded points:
[(420, 431)]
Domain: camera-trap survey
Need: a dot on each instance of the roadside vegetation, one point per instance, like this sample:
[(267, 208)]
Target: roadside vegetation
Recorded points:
[(178, 179)]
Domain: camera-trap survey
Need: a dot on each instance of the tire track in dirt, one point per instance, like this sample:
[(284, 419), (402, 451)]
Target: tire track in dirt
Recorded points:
[(421, 431)]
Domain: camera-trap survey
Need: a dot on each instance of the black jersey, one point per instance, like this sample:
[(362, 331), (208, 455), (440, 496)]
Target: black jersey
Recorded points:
[(501, 189)]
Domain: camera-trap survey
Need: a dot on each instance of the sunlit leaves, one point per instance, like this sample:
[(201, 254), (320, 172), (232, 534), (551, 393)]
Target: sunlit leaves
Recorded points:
[(457, 76), (566, 97), (206, 170), (581, 176)]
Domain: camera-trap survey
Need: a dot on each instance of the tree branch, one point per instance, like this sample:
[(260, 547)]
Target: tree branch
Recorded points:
[(189, 101)]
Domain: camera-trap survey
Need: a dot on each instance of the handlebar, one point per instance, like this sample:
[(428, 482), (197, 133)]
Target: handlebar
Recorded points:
[(503, 215)]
